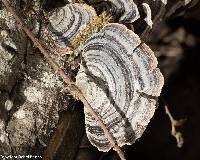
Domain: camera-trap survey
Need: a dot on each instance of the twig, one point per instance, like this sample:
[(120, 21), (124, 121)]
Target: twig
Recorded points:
[(174, 124), (70, 85)]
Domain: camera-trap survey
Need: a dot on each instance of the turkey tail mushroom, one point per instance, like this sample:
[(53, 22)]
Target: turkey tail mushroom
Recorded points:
[(128, 9), (119, 78), (123, 10), (68, 21)]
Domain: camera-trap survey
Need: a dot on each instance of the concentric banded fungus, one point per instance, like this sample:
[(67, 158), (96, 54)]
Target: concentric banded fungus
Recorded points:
[(119, 78), (70, 20), (126, 10)]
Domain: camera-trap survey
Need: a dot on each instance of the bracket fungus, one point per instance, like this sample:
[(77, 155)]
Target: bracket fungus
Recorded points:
[(68, 21), (125, 10), (119, 78), (128, 9)]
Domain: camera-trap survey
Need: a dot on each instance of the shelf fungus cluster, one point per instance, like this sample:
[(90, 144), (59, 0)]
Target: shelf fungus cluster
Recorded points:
[(118, 76), (128, 11)]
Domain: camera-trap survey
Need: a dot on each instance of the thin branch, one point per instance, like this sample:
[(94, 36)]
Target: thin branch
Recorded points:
[(174, 124), (70, 85)]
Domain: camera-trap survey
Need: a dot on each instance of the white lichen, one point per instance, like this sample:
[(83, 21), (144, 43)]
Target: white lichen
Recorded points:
[(20, 114), (3, 135), (21, 127), (8, 104), (8, 18), (33, 94), (50, 80)]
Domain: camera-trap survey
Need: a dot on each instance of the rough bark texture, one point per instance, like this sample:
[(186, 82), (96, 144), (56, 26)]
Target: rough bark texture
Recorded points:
[(31, 94)]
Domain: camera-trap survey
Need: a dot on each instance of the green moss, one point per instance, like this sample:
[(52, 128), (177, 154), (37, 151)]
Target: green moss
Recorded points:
[(93, 27), (90, 29)]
